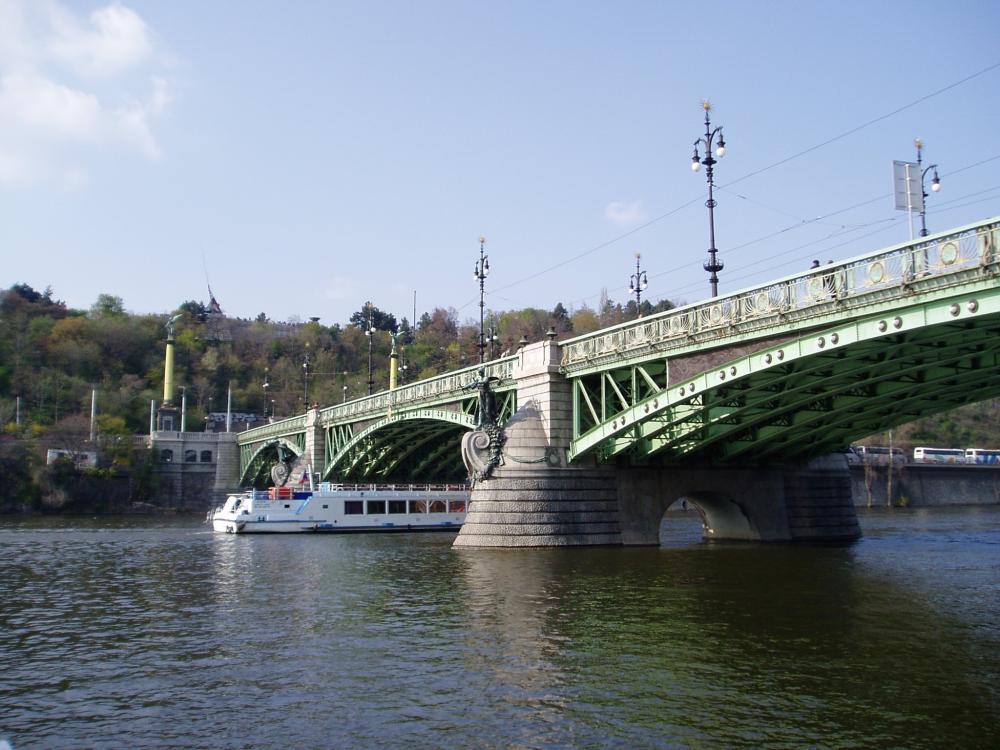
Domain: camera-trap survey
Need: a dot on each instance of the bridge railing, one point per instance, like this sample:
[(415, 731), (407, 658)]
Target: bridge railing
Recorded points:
[(275, 429), (429, 391), (882, 275)]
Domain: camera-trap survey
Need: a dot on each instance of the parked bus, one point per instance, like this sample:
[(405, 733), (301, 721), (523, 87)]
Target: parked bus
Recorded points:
[(879, 454), (924, 455), (982, 456)]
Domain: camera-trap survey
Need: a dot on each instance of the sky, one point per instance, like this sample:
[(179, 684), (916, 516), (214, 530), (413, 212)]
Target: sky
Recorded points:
[(304, 157)]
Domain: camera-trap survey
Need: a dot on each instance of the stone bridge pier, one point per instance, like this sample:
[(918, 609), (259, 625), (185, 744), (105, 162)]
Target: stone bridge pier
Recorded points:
[(784, 503), (534, 497)]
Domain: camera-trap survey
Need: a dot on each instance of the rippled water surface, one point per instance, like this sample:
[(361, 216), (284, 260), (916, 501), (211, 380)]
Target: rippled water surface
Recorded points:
[(123, 633)]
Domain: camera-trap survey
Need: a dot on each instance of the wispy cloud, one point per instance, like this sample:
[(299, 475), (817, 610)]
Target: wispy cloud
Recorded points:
[(73, 86), (623, 213)]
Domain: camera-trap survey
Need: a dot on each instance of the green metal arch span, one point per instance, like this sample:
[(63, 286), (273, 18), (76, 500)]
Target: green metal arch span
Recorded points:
[(254, 456), (420, 445), (816, 393)]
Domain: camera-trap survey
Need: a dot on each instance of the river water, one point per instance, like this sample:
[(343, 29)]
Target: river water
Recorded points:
[(153, 633)]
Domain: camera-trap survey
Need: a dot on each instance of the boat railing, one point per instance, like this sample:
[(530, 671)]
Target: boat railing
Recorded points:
[(403, 487)]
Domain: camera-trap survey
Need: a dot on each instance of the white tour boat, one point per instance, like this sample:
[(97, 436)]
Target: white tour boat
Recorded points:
[(344, 508)]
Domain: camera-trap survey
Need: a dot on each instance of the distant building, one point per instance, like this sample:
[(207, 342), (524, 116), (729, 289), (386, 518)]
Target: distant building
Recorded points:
[(80, 459), (216, 421)]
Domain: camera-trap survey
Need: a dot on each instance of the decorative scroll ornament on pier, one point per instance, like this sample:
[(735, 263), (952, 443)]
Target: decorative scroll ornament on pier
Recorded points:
[(482, 449)]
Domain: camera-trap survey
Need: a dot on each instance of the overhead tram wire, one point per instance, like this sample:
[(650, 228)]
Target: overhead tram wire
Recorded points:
[(889, 221), (892, 221), (601, 246), (837, 233), (778, 163), (807, 222), (846, 133)]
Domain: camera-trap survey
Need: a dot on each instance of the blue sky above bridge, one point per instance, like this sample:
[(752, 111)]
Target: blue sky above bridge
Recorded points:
[(313, 155)]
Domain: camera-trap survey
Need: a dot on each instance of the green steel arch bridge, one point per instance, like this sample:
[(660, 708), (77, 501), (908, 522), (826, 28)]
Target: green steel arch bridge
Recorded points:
[(780, 372)]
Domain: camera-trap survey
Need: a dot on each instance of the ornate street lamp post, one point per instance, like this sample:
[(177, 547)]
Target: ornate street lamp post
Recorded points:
[(266, 386), (480, 274), (713, 265), (492, 338), (370, 333), (305, 378), (935, 184), (636, 284)]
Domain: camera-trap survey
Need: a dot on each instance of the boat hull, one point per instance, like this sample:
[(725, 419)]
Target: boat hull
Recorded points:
[(235, 526)]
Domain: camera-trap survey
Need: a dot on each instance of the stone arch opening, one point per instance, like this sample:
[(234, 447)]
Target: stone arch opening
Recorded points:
[(721, 517)]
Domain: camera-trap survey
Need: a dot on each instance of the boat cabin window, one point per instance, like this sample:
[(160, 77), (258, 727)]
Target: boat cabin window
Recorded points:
[(287, 505), (353, 507), (397, 506), (418, 506), (325, 506), (166, 455), (437, 506), (457, 506), (190, 456), (206, 457), (375, 507)]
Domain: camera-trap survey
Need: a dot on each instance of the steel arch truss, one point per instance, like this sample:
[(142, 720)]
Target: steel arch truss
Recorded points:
[(423, 445), (805, 397), (256, 458)]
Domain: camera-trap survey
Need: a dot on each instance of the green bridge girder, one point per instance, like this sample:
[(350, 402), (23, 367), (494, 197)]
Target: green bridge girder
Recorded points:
[(404, 440), (848, 357), (412, 433), (257, 458), (412, 444)]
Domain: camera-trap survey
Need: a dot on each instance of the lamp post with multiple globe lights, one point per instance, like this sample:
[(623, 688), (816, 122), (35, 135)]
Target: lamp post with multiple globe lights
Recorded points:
[(713, 265), (370, 333), (480, 274), (636, 284)]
